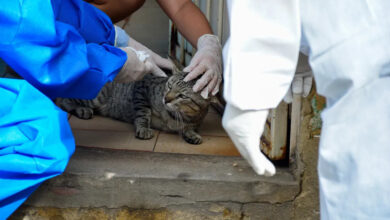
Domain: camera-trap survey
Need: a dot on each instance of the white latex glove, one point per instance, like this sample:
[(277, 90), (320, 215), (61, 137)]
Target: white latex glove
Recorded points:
[(245, 129), (155, 58), (137, 65), (301, 85), (207, 61), (122, 39)]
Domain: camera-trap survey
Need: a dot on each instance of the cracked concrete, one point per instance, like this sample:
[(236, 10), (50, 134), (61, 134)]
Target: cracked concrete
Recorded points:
[(142, 180), (306, 204), (201, 211)]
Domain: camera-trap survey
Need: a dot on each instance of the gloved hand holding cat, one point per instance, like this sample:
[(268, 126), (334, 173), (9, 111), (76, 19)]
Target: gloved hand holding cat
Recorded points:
[(140, 59), (138, 64), (157, 60)]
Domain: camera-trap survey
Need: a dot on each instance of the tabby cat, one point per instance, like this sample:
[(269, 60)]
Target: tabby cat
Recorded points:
[(164, 103)]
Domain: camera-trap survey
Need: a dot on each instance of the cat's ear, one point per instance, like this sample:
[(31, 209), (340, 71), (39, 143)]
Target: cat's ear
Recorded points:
[(177, 67)]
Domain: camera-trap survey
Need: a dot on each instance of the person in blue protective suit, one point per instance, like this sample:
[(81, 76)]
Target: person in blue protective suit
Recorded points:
[(349, 51), (193, 25), (68, 49), (61, 49)]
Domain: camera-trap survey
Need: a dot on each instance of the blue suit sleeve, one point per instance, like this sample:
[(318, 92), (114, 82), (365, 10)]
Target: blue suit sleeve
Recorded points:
[(86, 19), (58, 57), (36, 142)]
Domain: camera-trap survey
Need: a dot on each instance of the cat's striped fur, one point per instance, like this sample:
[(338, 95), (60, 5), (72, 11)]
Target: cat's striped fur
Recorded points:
[(164, 103)]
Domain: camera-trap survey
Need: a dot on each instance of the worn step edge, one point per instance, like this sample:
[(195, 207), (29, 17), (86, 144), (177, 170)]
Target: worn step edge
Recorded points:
[(112, 178), (132, 164)]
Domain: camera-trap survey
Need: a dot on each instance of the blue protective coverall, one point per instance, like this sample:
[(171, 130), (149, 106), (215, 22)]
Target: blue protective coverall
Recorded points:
[(61, 49)]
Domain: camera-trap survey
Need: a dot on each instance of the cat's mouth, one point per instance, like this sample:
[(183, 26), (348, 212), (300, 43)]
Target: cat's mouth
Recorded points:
[(170, 107), (172, 110), (173, 114), (187, 111), (176, 113)]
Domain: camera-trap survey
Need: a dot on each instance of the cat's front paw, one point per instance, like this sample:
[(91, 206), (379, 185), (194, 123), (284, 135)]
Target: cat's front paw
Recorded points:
[(144, 133), (83, 112), (192, 137)]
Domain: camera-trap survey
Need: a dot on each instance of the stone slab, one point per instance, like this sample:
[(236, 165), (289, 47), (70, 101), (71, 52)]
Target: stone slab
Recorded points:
[(114, 178)]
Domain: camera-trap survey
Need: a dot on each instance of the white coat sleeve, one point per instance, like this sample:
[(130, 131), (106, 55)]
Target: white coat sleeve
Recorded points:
[(261, 55)]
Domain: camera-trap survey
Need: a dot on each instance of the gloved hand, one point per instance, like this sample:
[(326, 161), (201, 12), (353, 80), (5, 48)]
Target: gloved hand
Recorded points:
[(155, 58), (122, 39), (207, 61), (245, 129), (300, 85), (137, 65)]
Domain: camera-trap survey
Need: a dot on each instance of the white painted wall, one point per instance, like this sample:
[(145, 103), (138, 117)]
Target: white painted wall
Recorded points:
[(150, 26)]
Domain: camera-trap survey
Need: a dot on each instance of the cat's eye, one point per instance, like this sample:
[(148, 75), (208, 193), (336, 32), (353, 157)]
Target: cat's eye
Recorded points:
[(181, 96)]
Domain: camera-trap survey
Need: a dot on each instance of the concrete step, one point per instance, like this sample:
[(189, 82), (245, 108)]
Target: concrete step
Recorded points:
[(117, 178)]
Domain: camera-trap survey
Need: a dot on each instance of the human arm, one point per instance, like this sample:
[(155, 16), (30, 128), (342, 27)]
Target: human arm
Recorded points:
[(96, 28), (187, 17), (194, 26), (52, 55)]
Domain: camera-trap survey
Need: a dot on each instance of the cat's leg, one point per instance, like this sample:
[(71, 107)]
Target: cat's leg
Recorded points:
[(76, 107), (83, 112), (143, 113), (191, 137), (83, 108), (142, 124)]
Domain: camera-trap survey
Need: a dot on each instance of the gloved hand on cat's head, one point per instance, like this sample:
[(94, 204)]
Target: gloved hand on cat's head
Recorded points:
[(245, 128), (137, 65), (207, 61)]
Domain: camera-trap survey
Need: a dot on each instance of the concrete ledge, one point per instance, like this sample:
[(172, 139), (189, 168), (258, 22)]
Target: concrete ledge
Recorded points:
[(113, 178)]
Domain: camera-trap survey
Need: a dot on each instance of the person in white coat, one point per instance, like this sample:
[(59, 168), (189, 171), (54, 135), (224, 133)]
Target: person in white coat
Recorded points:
[(348, 45)]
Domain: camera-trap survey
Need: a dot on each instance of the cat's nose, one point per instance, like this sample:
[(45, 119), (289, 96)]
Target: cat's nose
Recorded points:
[(169, 97)]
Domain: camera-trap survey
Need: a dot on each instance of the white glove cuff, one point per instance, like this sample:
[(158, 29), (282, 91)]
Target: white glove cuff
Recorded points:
[(209, 40), (121, 37)]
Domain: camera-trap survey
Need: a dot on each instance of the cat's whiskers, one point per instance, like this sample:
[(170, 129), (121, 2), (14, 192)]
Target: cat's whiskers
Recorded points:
[(179, 122), (176, 120)]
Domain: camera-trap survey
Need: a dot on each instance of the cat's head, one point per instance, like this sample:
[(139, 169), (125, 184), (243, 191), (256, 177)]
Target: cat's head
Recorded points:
[(180, 98)]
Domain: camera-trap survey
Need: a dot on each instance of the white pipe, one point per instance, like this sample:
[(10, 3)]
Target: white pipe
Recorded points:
[(208, 9), (182, 51), (220, 17), (295, 122)]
